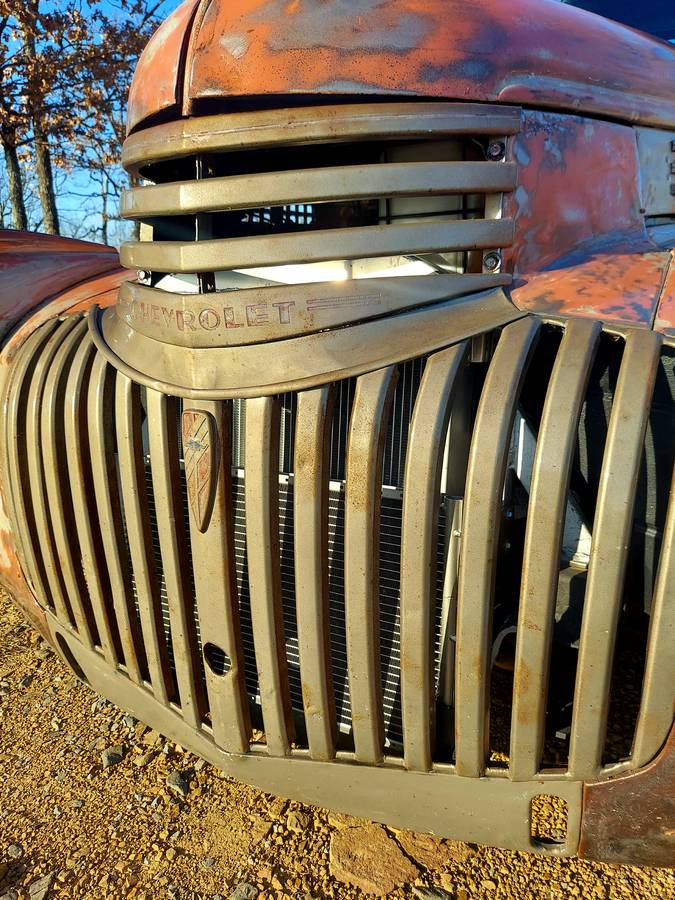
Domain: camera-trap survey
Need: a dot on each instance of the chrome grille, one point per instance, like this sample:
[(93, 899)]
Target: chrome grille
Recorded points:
[(94, 423)]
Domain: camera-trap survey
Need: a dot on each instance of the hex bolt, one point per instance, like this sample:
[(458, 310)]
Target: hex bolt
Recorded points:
[(492, 261), (496, 150)]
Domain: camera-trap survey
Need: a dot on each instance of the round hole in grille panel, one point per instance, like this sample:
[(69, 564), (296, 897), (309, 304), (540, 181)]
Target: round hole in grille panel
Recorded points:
[(217, 660)]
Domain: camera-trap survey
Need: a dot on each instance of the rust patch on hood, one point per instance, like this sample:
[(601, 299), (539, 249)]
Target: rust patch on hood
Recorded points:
[(520, 52)]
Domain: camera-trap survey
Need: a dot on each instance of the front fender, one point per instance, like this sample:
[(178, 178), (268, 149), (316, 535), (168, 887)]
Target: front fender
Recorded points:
[(42, 276)]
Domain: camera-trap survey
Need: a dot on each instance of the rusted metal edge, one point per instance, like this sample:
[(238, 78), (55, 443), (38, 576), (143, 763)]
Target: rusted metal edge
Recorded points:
[(631, 819), (414, 118)]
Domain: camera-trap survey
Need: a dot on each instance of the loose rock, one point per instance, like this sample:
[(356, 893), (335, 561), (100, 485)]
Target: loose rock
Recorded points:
[(111, 756), (180, 782), (297, 821), (425, 893), (426, 850), (244, 891), (143, 759), (39, 889), (14, 851), (368, 858)]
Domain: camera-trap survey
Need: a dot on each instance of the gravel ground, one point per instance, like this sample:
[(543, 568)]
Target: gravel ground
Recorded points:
[(95, 805)]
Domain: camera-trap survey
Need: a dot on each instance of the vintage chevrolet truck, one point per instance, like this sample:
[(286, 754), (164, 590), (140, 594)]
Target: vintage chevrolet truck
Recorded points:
[(356, 480)]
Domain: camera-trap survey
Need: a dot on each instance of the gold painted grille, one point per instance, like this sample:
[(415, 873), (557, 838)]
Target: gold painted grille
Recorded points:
[(258, 226), (82, 441)]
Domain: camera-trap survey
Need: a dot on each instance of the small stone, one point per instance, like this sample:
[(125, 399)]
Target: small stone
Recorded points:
[(39, 889), (342, 820), (26, 681), (14, 851), (151, 738), (143, 759), (297, 821), (244, 891), (129, 721), (209, 862), (111, 756), (179, 781), (425, 893), (368, 858), (277, 808)]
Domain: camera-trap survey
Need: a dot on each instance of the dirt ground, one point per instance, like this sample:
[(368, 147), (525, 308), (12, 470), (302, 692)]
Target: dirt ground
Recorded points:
[(69, 827)]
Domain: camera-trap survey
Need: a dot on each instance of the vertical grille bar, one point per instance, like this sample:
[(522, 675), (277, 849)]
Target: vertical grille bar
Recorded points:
[(56, 479), (36, 478), (17, 485), (100, 418), (656, 709), (262, 545), (135, 502), (367, 434), (419, 552), (482, 507), (609, 548), (310, 498), (85, 521), (216, 589), (543, 537), (164, 465)]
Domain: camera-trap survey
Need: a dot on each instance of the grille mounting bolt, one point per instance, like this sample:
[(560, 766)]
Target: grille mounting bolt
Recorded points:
[(496, 150), (492, 261)]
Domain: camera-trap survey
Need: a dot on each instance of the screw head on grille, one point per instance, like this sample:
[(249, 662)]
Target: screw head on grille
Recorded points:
[(492, 261), (496, 150)]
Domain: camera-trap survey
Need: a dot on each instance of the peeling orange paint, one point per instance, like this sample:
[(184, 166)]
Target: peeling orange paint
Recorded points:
[(525, 51)]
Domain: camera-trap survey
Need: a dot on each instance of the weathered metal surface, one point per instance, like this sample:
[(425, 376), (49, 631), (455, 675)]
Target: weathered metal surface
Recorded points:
[(297, 362), (551, 472), (301, 125), (657, 165), (632, 819), (612, 527), (542, 54), (258, 315), (157, 83), (481, 523), (35, 268), (664, 319), (317, 246), (578, 180), (619, 285), (580, 245), (212, 565)]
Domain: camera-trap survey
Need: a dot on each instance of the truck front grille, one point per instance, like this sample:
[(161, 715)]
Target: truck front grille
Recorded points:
[(351, 567)]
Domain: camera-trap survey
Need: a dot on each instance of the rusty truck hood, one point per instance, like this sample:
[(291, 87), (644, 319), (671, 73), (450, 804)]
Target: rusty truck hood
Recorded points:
[(536, 52)]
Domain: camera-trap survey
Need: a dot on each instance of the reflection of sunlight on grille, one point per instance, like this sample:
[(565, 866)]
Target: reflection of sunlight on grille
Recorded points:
[(337, 215)]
